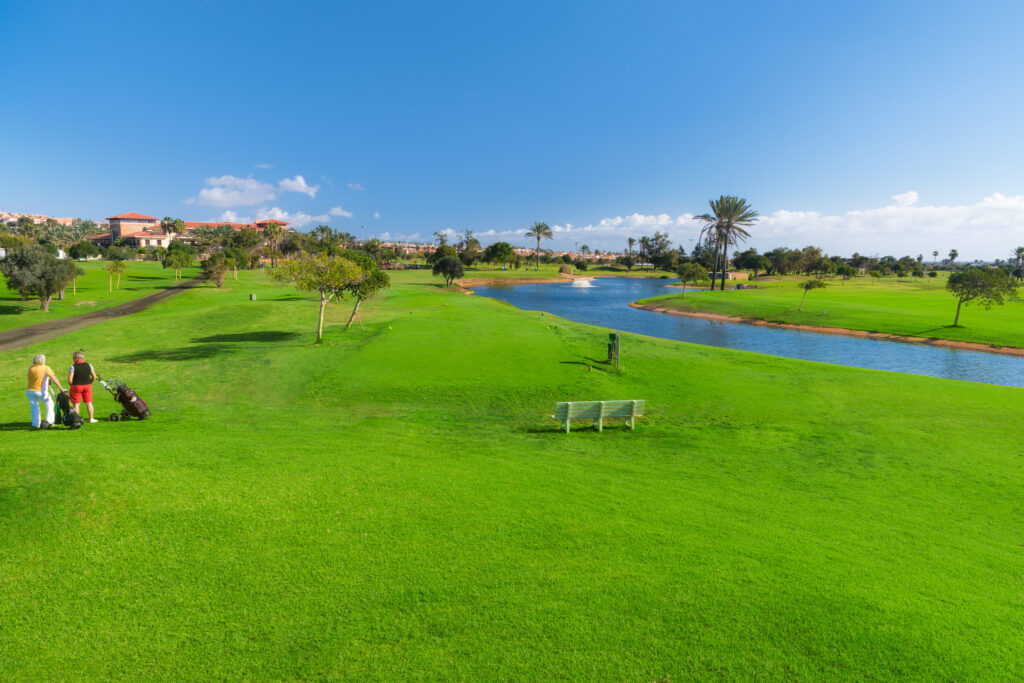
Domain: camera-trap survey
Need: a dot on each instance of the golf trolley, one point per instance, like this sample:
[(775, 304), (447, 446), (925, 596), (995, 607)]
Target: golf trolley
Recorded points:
[(131, 404)]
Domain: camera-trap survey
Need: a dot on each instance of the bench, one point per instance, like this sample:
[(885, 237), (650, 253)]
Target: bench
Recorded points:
[(598, 411)]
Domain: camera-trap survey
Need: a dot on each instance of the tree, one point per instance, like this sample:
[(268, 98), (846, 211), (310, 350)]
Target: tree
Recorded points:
[(808, 285), (368, 285), (692, 272), (916, 272), (216, 266), (32, 271), (932, 273), (499, 252), (1018, 257), (450, 268), (443, 251), (846, 272), (726, 226), (935, 255), (628, 261), (320, 272), (987, 287), (273, 233), (953, 253), (540, 231), (115, 267), (177, 260)]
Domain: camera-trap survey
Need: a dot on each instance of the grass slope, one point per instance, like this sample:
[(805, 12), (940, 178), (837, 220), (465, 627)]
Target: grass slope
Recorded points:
[(93, 293), (922, 308), (395, 504)]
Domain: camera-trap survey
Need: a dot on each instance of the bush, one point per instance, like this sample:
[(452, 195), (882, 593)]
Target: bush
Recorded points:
[(118, 254), (932, 273), (83, 249), (581, 265), (565, 269)]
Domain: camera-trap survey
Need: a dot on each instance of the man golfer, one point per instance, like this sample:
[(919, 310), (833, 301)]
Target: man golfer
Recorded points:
[(80, 377)]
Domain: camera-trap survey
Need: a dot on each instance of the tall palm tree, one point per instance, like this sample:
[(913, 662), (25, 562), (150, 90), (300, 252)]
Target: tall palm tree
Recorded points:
[(727, 223), (1018, 255), (953, 253), (935, 255), (540, 231)]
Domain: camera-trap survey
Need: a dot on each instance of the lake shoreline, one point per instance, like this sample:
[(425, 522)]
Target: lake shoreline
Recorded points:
[(883, 336)]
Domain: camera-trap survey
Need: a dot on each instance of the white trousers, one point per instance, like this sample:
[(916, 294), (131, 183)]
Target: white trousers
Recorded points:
[(34, 399)]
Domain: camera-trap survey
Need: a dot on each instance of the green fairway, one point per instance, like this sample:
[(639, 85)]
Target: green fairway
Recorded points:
[(920, 308), (396, 504), (92, 292)]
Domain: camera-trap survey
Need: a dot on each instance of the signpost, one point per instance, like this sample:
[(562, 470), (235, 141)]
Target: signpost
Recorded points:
[(613, 348)]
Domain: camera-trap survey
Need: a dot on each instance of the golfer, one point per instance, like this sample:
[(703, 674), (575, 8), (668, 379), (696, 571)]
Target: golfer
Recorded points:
[(38, 391), (81, 376)]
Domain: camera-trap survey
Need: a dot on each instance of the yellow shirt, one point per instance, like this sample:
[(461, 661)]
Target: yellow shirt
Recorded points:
[(36, 374)]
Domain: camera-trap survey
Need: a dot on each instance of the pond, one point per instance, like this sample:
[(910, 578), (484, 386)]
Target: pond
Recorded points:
[(606, 303)]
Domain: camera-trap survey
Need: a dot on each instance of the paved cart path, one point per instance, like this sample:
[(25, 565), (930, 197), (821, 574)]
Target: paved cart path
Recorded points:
[(30, 334)]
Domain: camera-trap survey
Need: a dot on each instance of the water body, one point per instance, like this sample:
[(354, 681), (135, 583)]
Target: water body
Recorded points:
[(606, 303)]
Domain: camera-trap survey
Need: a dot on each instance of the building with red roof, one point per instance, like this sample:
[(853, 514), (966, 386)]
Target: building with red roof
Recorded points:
[(140, 231)]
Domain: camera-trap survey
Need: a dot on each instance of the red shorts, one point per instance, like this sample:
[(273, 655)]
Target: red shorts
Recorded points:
[(80, 393)]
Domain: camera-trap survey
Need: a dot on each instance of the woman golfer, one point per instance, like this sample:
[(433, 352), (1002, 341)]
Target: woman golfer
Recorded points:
[(39, 377)]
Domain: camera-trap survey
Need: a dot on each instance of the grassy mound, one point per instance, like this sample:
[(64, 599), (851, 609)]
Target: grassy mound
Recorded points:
[(395, 503), (919, 308)]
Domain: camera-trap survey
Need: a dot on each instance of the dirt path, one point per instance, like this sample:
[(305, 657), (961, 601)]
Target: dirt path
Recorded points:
[(30, 334), (948, 343)]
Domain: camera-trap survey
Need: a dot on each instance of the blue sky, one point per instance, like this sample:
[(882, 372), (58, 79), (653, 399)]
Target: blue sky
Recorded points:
[(889, 127)]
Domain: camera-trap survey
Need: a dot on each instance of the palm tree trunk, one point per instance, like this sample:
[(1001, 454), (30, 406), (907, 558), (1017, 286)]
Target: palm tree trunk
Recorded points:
[(725, 262), (714, 269), (957, 318)]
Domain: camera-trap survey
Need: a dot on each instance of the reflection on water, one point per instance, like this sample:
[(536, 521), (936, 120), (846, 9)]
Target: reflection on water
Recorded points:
[(606, 304)]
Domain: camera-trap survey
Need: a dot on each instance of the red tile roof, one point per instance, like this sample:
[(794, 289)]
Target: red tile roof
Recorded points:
[(269, 220), (131, 216)]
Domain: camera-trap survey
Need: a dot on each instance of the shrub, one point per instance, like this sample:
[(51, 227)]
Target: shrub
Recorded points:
[(932, 273), (581, 265), (565, 269), (83, 250)]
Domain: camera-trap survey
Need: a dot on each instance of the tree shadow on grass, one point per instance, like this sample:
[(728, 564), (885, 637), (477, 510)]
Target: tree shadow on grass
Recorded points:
[(11, 310), (16, 426), (261, 336), (184, 353)]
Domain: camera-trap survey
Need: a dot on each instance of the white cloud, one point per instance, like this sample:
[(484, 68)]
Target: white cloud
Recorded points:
[(295, 220), (338, 211), (376, 214), (229, 190), (986, 229), (264, 166), (356, 186), (232, 217), (905, 199), (298, 184)]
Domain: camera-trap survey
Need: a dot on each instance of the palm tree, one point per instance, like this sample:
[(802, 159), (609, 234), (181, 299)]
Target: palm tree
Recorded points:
[(726, 225), (273, 232), (953, 253), (540, 231), (935, 255), (1018, 255)]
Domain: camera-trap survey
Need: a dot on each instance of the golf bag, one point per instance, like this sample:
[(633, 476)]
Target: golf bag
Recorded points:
[(65, 415), (131, 404)]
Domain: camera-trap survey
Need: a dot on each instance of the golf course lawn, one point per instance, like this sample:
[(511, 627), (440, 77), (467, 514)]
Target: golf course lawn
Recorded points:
[(395, 503), (922, 308), (93, 292)]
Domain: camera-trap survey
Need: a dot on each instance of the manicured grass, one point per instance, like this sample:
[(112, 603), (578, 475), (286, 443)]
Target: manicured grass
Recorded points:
[(141, 278), (396, 504), (922, 308)]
